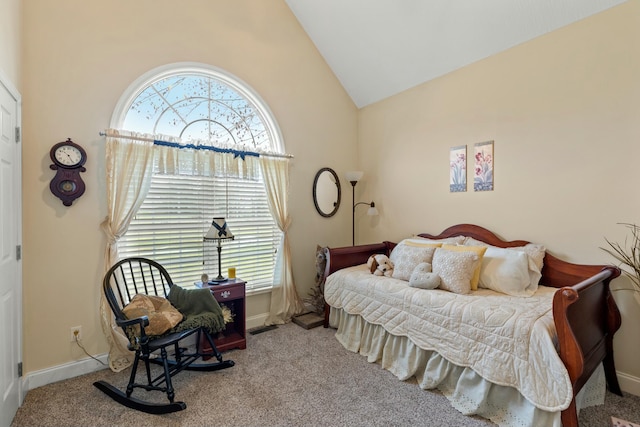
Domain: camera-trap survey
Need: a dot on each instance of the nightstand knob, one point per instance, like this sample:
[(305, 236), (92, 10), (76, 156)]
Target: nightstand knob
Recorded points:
[(225, 294)]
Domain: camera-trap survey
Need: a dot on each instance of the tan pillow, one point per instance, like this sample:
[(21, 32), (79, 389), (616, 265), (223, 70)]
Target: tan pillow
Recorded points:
[(162, 315), (455, 269), (480, 250)]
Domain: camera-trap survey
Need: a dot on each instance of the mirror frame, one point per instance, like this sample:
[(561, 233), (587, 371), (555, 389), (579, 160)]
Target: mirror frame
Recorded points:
[(336, 204)]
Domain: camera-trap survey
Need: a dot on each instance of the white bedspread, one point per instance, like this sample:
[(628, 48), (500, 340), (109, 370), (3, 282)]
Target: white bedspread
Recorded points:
[(506, 340)]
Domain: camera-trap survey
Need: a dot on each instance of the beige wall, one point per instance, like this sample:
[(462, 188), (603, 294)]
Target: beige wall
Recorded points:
[(564, 113), (10, 29), (562, 109), (79, 57)]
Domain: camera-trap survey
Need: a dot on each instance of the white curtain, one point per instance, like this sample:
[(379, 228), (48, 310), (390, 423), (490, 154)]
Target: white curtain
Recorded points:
[(129, 168), (131, 161), (285, 302)]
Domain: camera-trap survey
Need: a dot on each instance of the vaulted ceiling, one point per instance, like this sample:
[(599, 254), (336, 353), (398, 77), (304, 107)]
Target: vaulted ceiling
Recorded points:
[(378, 48)]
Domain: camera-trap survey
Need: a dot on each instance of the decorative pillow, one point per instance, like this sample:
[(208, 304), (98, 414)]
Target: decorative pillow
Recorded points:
[(162, 315), (405, 258), (423, 278), (535, 252), (470, 241), (456, 240), (421, 243), (479, 250), (507, 271), (455, 269)]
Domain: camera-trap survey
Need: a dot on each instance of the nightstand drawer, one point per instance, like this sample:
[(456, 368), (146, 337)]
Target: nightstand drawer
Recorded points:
[(226, 293)]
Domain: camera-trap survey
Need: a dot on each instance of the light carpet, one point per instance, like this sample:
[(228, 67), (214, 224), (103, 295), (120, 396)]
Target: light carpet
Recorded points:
[(287, 376)]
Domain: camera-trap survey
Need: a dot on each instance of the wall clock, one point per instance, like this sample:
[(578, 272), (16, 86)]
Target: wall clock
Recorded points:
[(68, 159)]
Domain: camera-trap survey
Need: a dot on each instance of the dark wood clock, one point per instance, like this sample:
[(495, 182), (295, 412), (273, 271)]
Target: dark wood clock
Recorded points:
[(68, 159)]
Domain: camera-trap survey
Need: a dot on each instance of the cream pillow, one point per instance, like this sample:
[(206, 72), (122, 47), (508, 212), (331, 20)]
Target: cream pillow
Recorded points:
[(507, 271), (535, 253), (405, 258), (423, 278), (456, 240), (479, 250), (455, 269)]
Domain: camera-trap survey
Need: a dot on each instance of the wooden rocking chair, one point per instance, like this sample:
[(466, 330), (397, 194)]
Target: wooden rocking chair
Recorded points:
[(122, 282)]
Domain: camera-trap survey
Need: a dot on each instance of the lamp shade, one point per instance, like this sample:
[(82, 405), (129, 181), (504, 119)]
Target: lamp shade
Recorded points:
[(372, 211), (354, 176), (219, 230)]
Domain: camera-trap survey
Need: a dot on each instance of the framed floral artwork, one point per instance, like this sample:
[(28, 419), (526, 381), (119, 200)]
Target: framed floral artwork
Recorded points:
[(483, 170), (458, 169)]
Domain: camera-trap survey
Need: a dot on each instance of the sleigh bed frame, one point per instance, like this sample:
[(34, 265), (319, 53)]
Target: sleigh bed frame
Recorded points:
[(585, 314)]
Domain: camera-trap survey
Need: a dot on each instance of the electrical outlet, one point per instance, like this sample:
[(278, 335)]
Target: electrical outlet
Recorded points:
[(76, 333)]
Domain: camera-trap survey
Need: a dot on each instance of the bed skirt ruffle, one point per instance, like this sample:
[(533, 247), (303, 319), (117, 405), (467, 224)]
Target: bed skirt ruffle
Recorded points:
[(468, 392)]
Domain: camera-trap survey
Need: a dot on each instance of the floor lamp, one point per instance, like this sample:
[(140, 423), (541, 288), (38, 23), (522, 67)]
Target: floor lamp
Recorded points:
[(353, 178), (219, 231)]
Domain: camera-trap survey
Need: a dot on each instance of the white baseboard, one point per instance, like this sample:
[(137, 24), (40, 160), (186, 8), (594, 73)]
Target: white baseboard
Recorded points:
[(84, 366), (62, 372), (256, 321), (629, 383)]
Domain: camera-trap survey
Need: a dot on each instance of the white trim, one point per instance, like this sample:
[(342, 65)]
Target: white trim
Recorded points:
[(53, 374), (164, 71), (629, 383), (6, 82), (256, 321)]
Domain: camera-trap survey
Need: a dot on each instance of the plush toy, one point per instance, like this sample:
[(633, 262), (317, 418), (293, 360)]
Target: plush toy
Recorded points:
[(380, 265)]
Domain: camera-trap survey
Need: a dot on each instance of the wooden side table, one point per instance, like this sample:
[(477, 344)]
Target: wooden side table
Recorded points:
[(232, 294)]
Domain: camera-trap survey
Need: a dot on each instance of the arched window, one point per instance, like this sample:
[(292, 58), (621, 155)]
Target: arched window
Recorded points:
[(199, 103)]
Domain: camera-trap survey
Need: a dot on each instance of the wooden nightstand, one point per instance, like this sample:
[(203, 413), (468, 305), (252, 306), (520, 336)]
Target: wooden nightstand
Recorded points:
[(230, 293)]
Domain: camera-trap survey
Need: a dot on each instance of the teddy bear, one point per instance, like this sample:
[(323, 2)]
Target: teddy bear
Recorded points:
[(380, 265)]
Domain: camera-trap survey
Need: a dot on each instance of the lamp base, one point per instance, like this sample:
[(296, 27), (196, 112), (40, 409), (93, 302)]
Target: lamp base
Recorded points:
[(217, 280)]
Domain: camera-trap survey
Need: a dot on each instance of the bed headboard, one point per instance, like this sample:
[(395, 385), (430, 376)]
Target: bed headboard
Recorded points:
[(555, 272)]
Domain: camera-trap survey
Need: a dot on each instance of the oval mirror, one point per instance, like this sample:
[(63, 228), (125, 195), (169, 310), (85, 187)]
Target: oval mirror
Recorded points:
[(326, 192)]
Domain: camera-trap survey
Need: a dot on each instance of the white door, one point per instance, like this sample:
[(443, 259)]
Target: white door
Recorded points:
[(10, 264)]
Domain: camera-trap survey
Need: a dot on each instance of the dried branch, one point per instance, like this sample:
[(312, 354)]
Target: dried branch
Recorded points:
[(628, 255)]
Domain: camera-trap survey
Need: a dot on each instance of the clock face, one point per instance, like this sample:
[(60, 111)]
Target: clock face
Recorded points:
[(68, 155)]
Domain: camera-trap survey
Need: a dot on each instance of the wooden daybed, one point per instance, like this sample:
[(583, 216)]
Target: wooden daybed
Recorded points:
[(584, 313)]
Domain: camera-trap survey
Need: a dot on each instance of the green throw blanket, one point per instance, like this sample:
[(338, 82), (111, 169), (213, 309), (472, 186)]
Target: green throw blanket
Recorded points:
[(199, 308)]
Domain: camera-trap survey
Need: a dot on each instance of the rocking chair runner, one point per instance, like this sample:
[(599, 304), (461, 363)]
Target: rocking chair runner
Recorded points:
[(122, 282)]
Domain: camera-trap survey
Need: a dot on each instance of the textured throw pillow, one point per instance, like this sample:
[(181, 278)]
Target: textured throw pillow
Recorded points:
[(479, 250), (507, 271), (455, 269), (162, 315), (405, 258), (423, 278)]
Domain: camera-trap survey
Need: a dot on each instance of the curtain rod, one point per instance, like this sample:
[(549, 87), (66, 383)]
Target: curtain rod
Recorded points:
[(237, 153)]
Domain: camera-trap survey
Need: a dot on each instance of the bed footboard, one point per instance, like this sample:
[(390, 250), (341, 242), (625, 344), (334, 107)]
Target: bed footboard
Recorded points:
[(348, 256), (586, 318)]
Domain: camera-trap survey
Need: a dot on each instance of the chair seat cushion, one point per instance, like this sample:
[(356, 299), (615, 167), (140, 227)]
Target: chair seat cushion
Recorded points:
[(162, 315)]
